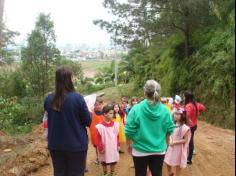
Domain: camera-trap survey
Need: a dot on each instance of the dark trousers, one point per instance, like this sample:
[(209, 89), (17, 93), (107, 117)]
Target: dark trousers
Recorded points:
[(191, 143), (154, 162), (68, 163)]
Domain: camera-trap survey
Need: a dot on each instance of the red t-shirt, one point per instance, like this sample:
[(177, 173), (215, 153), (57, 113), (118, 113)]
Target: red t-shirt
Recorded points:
[(192, 115)]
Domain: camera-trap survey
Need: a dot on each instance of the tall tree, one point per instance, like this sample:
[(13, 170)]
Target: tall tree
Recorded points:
[(6, 38), (140, 21), (1, 19), (40, 53)]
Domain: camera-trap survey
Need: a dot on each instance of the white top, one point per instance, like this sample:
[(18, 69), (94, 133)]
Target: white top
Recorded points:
[(141, 154)]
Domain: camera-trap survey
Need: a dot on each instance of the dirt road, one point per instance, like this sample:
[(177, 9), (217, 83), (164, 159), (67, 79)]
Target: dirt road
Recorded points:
[(215, 156)]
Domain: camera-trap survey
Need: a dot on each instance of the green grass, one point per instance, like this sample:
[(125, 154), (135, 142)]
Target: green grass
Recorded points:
[(115, 93), (95, 65)]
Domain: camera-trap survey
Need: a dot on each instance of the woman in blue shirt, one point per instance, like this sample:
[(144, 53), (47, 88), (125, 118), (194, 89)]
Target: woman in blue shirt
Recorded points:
[(68, 117)]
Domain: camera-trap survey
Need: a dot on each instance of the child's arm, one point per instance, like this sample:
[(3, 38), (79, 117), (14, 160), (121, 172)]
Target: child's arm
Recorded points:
[(118, 142), (45, 124), (100, 146), (168, 140), (201, 107), (181, 141)]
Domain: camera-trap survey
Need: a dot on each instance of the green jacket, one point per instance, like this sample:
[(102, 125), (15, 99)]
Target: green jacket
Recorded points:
[(147, 126)]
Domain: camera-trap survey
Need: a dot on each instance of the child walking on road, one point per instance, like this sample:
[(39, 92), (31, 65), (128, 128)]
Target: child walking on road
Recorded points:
[(108, 141), (96, 119), (177, 153), (118, 117)]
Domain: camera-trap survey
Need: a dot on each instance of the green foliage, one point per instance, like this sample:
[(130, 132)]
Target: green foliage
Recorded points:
[(20, 107), (18, 115), (23, 86), (104, 79), (75, 66), (185, 45), (92, 65), (13, 83), (90, 88), (106, 74), (114, 93), (141, 21), (209, 73), (40, 55), (7, 38)]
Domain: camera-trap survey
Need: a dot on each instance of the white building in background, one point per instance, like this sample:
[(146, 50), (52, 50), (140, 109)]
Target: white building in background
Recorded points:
[(78, 54)]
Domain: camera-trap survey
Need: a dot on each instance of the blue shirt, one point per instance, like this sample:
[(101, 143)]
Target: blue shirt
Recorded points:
[(67, 127)]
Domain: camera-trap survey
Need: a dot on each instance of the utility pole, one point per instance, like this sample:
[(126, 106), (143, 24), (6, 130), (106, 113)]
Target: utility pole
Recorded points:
[(116, 68), (116, 72), (1, 20)]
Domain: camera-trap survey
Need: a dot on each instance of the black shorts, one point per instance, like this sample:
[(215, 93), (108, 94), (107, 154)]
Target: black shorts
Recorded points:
[(107, 164)]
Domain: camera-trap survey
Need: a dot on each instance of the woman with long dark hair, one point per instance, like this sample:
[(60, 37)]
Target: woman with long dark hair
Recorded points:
[(193, 109), (68, 117)]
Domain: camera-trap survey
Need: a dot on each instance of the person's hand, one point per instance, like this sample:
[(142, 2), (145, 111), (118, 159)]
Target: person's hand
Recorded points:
[(118, 148), (129, 149), (91, 108), (172, 143), (169, 140)]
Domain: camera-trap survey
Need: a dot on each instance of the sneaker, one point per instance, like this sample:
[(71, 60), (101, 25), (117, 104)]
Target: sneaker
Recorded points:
[(194, 152), (189, 162)]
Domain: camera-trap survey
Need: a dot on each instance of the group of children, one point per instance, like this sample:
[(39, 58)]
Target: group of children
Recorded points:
[(107, 133)]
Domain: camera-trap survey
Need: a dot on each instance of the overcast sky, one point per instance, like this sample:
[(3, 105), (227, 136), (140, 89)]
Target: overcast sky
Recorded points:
[(73, 19)]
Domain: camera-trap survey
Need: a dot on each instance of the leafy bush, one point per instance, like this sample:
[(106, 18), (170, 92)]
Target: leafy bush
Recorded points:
[(18, 115), (208, 73)]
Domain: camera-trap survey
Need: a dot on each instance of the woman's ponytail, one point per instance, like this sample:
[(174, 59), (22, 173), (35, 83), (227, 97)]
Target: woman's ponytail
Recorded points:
[(152, 90), (156, 97)]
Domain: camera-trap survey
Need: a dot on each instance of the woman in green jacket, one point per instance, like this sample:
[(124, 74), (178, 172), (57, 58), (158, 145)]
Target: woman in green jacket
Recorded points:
[(148, 127)]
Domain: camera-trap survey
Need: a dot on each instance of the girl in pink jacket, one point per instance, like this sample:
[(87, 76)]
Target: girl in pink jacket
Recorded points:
[(176, 155), (108, 141)]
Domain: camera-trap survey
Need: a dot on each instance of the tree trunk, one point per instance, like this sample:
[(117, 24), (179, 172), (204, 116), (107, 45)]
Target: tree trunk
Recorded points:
[(1, 20), (187, 33), (187, 44)]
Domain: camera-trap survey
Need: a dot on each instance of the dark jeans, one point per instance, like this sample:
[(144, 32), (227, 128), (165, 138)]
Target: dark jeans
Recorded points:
[(191, 143), (154, 162), (68, 163)]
